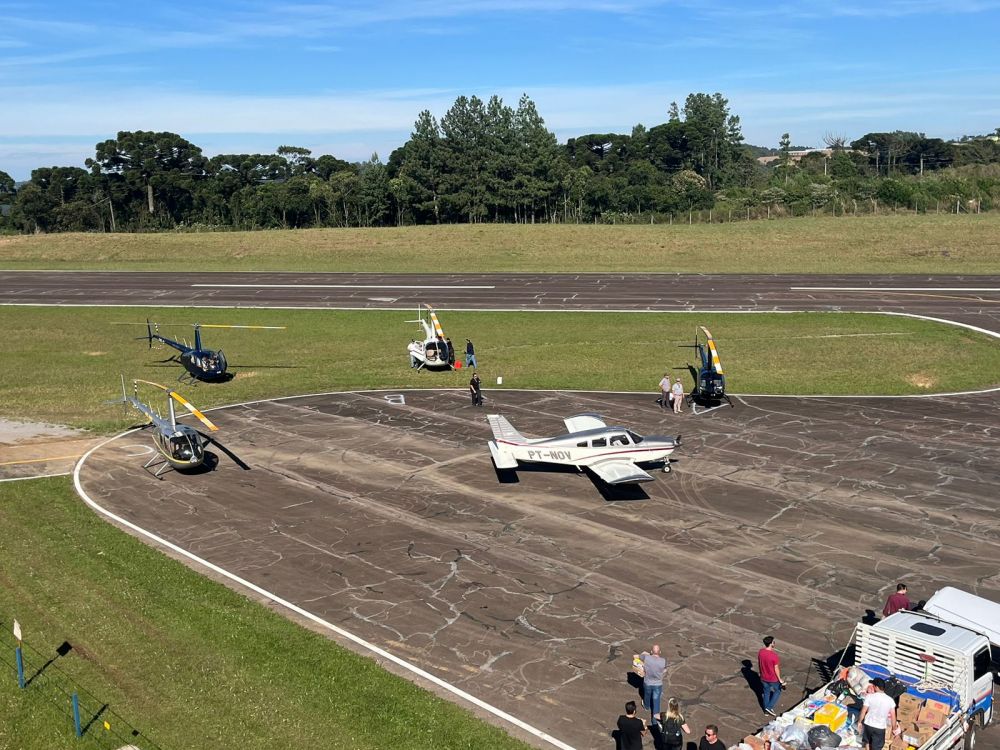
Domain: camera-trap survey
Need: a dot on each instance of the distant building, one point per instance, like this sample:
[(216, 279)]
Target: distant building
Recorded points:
[(796, 156)]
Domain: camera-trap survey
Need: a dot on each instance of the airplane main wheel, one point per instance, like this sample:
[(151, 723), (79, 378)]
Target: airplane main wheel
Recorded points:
[(666, 468)]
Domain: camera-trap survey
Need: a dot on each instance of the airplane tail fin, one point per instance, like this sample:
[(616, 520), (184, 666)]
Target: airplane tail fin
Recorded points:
[(504, 430)]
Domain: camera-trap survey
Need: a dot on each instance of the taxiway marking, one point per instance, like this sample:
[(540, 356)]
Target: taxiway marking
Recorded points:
[(39, 460), (343, 286)]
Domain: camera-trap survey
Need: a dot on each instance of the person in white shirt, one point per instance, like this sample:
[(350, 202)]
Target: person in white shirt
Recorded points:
[(878, 715), (678, 392), (415, 348), (665, 391)]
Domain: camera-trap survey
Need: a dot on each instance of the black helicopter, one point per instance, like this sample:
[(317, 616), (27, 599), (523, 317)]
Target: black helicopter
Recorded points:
[(207, 365), (709, 380)]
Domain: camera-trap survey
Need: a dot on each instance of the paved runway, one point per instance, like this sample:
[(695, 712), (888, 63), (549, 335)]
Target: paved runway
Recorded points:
[(971, 299), (785, 516)]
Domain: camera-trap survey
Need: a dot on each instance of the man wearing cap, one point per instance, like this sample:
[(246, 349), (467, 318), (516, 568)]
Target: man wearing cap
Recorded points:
[(878, 716), (678, 393)]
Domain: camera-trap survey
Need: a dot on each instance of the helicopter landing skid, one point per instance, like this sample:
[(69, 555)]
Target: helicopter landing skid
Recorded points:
[(161, 462), (706, 410)]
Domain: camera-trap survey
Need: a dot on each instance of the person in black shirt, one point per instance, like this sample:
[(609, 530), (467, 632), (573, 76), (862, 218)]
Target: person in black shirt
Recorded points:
[(476, 390), (451, 352), (630, 729), (470, 354), (711, 739)]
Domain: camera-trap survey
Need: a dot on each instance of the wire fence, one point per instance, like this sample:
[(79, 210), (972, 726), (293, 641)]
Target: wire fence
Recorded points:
[(48, 683)]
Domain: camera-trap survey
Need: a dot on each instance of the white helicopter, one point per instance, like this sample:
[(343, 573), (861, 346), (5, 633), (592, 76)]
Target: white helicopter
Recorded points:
[(612, 453), (433, 352), (179, 446)]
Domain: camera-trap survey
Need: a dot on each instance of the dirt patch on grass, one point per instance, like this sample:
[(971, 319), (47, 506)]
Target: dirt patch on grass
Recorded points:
[(29, 449), (921, 380)]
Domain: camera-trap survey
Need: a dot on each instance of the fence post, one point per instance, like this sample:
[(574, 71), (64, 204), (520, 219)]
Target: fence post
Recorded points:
[(76, 715), (20, 667)]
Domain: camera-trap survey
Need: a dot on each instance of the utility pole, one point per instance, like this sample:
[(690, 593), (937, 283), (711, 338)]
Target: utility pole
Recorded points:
[(112, 207), (921, 165)]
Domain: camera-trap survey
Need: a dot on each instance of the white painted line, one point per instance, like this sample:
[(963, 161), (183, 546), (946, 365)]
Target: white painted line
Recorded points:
[(341, 286), (37, 476), (381, 652), (894, 289)]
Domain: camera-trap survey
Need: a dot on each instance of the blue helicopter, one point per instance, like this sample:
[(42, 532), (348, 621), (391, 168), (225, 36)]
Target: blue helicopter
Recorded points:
[(709, 380), (200, 363)]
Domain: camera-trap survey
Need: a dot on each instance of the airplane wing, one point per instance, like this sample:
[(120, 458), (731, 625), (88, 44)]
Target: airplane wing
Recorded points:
[(587, 421), (619, 471), (504, 430)]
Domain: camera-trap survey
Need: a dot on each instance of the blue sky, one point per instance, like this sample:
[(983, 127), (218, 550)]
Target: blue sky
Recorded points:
[(349, 78)]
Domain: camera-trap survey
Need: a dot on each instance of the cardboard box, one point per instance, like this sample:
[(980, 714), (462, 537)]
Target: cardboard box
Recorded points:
[(909, 703), (755, 742), (930, 717), (917, 735), (944, 708)]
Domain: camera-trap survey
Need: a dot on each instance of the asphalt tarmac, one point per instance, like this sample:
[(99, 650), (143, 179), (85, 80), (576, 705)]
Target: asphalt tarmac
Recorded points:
[(783, 516)]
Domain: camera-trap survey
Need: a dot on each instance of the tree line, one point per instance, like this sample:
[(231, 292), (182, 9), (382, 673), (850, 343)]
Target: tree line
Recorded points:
[(490, 162)]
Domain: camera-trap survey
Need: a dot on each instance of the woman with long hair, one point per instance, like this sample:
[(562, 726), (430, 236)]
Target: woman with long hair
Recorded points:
[(674, 727)]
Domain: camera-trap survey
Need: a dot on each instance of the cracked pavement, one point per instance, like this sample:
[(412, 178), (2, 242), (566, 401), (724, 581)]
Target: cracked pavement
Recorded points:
[(784, 516)]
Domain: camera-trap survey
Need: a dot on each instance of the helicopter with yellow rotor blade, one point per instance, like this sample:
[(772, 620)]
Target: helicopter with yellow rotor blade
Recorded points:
[(200, 363), (178, 445)]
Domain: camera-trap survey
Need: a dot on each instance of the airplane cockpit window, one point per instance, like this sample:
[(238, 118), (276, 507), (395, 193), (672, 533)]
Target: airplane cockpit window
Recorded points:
[(582, 445), (220, 360), (619, 440), (635, 438), (598, 443)]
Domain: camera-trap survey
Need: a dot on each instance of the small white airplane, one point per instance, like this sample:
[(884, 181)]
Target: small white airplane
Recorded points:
[(612, 453)]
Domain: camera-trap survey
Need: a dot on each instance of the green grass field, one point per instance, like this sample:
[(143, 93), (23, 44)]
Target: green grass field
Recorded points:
[(187, 661), (930, 243), (65, 363)]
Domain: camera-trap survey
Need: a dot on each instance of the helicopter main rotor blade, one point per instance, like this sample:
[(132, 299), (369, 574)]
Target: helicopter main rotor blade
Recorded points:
[(183, 402), (191, 408), (236, 459), (253, 328)]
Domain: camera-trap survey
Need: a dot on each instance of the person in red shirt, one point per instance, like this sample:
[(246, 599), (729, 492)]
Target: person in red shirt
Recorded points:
[(897, 602), (769, 666)]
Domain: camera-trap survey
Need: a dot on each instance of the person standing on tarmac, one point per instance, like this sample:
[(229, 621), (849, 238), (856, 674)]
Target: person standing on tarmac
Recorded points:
[(678, 394), (476, 389)]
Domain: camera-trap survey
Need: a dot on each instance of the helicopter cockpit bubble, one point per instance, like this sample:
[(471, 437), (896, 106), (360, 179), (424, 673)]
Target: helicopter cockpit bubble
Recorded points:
[(184, 446)]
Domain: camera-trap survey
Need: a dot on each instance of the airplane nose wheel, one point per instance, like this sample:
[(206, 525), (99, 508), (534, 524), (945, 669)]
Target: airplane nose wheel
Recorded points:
[(666, 467)]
